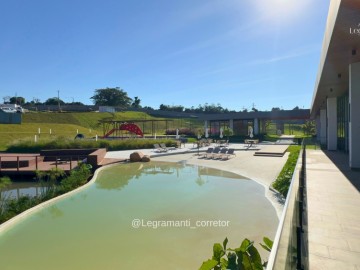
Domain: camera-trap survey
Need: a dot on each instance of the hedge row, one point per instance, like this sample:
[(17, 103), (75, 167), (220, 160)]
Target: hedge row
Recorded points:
[(29, 146)]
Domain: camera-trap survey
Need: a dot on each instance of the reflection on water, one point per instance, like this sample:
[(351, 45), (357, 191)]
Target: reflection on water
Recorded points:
[(93, 229), (17, 189)]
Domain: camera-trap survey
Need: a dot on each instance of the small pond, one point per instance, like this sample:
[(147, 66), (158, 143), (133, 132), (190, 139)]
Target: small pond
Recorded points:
[(141, 216)]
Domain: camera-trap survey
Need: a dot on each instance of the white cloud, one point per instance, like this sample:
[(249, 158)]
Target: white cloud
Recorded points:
[(287, 56)]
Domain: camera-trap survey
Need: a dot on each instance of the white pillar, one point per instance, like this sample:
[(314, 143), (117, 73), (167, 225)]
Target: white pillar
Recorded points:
[(231, 124), (354, 115), (332, 123), (206, 124), (256, 126), (323, 127)]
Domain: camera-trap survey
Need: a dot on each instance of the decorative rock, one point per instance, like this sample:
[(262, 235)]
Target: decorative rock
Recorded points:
[(145, 158), (136, 156)]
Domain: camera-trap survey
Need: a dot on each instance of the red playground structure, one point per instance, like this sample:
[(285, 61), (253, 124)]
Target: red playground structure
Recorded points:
[(131, 127), (113, 129)]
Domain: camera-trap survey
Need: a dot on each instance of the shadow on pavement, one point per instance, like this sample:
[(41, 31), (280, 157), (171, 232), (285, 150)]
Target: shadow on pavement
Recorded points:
[(341, 161)]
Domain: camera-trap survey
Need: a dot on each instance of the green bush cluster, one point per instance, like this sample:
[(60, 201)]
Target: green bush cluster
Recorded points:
[(245, 257), (51, 187), (283, 181), (29, 146)]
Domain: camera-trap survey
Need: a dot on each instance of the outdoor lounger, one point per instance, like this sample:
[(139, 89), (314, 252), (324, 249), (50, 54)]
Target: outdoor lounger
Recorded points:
[(222, 152), (230, 152), (214, 152), (208, 151), (159, 149), (163, 146)]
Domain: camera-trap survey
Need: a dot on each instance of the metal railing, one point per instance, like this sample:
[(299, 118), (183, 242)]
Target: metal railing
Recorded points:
[(290, 248)]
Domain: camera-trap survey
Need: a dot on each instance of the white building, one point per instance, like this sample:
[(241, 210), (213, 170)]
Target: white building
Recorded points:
[(336, 99)]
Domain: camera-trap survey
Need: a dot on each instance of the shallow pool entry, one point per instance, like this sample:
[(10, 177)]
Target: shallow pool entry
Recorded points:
[(141, 216)]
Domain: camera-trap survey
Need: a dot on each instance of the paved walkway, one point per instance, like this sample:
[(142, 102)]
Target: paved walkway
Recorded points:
[(333, 211)]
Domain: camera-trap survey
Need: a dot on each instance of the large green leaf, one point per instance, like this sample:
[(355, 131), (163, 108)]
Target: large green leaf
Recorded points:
[(265, 247), (245, 245), (256, 266), (268, 242), (224, 264), (218, 252), (254, 255), (208, 265)]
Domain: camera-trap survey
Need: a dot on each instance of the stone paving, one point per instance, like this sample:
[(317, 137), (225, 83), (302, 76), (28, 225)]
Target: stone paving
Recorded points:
[(333, 211)]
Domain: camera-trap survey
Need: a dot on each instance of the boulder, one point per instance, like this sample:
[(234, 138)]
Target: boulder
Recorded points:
[(136, 156), (145, 158)]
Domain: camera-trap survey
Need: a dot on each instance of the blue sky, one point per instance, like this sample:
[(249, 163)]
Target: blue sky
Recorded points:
[(188, 52)]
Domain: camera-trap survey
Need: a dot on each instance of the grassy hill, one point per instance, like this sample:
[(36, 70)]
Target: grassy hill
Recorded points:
[(85, 119), (68, 123)]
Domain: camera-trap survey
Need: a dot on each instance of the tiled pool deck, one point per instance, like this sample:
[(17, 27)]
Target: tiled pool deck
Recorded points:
[(333, 211)]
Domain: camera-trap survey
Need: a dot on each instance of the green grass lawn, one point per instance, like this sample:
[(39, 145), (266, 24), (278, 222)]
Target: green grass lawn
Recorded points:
[(66, 124), (10, 133)]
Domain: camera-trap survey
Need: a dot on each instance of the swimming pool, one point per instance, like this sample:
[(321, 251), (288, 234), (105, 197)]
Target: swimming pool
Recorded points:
[(153, 215)]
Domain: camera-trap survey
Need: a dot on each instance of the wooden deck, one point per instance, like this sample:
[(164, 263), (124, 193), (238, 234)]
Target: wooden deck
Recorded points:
[(27, 164)]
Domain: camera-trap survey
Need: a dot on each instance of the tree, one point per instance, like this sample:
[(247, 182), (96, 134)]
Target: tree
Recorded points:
[(111, 97), (228, 132), (296, 108), (309, 127), (173, 108), (75, 103), (6, 99), (54, 101), (17, 100), (275, 109), (136, 103)]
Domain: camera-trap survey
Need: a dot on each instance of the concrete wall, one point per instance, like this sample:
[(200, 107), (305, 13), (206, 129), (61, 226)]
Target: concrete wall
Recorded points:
[(354, 125), (10, 118)]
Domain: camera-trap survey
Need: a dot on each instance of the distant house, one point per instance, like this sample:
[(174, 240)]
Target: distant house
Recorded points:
[(106, 109)]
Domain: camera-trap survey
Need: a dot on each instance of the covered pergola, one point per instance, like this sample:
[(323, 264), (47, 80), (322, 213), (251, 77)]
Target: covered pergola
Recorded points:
[(239, 122)]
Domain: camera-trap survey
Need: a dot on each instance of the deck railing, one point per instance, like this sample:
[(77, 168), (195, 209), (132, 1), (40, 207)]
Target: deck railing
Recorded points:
[(290, 248), (34, 162)]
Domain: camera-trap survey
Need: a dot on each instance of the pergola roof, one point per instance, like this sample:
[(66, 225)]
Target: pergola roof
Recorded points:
[(273, 115)]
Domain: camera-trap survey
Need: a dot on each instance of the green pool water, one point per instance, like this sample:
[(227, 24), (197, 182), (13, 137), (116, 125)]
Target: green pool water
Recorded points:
[(92, 229)]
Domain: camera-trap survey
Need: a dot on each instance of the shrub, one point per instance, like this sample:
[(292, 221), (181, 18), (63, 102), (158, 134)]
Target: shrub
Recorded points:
[(245, 257), (79, 176), (182, 131), (283, 181), (29, 146)]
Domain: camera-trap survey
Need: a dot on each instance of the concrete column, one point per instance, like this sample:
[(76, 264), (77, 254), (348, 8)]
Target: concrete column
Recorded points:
[(231, 124), (256, 126), (332, 123), (206, 124), (323, 128), (354, 115)]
